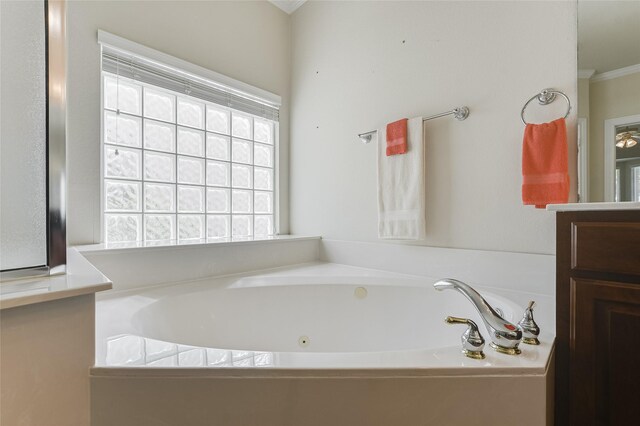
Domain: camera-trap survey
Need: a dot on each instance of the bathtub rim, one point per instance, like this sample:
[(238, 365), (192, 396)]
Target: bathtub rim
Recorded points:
[(328, 373)]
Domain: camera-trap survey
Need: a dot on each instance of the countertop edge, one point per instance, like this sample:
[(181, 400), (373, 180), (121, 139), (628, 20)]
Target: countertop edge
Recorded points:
[(80, 279), (605, 206), (54, 295)]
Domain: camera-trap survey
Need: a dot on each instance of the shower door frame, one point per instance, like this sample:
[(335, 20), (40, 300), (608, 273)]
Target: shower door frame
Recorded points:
[(55, 141)]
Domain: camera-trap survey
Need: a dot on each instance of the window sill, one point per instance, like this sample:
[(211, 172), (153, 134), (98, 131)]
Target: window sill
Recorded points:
[(180, 244)]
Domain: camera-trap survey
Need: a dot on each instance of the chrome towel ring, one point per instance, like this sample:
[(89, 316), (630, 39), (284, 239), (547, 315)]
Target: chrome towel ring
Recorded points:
[(545, 98)]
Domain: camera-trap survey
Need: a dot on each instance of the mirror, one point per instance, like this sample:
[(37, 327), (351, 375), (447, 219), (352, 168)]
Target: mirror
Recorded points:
[(608, 101)]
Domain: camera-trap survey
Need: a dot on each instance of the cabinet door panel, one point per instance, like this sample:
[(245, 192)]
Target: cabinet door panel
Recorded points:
[(606, 247), (604, 348)]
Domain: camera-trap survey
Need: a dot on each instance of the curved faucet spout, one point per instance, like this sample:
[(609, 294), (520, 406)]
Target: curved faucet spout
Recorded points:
[(505, 337)]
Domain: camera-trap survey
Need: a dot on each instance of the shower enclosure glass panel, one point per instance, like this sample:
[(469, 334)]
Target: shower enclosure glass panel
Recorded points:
[(23, 190), (32, 138)]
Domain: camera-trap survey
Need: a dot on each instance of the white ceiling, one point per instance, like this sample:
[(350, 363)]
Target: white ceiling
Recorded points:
[(608, 34), (288, 6)]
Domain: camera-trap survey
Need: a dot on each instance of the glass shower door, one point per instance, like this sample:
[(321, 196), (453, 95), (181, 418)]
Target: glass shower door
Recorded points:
[(32, 138)]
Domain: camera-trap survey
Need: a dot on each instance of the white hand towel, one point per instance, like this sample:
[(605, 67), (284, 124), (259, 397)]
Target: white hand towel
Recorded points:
[(401, 187)]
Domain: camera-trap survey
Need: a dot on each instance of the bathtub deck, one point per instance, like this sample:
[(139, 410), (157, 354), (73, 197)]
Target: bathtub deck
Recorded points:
[(120, 351)]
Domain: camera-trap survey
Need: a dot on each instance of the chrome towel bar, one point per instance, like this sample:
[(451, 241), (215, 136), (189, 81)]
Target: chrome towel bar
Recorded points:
[(459, 113)]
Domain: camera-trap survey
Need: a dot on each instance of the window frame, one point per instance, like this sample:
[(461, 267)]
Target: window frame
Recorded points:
[(275, 181)]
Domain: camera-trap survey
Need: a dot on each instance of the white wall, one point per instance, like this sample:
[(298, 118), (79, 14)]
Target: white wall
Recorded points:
[(248, 41), (359, 65), (351, 72)]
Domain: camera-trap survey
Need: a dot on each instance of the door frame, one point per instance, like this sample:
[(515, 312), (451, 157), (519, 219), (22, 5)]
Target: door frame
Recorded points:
[(583, 160), (610, 151)]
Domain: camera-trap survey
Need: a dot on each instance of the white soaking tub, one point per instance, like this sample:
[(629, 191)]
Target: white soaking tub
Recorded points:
[(316, 322)]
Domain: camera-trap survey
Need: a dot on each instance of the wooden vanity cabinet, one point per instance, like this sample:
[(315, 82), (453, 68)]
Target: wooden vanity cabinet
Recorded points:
[(597, 318)]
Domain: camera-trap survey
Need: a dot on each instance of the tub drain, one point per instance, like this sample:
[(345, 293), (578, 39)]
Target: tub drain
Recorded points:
[(303, 341)]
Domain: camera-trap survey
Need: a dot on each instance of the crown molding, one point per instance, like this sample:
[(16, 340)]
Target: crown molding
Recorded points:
[(289, 6), (621, 72), (586, 73)]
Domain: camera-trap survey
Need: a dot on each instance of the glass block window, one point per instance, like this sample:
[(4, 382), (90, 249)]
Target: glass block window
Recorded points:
[(177, 167)]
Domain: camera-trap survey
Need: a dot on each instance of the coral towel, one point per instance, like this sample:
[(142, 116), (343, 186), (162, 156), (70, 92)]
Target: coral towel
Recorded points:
[(397, 137), (545, 166), (401, 188)]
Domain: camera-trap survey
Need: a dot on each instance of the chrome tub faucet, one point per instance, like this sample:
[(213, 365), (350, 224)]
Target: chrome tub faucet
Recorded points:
[(530, 329), (472, 340), (505, 337)]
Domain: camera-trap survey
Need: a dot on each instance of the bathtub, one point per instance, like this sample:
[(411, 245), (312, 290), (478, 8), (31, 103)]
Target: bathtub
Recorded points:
[(312, 322)]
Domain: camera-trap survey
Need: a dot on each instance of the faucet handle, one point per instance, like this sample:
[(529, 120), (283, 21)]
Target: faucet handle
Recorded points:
[(530, 330), (472, 340)]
